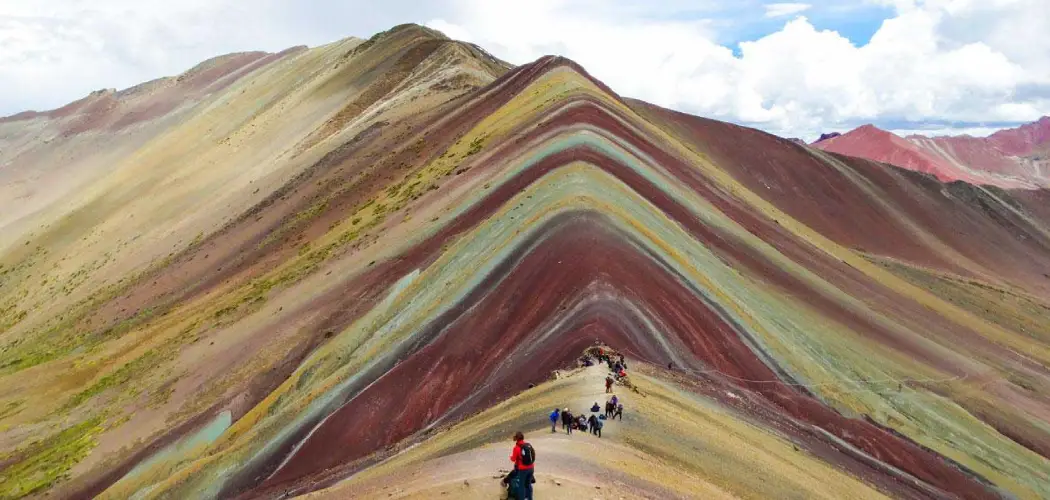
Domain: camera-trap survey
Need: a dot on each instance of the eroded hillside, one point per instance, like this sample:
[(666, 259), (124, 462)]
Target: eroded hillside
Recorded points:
[(290, 279)]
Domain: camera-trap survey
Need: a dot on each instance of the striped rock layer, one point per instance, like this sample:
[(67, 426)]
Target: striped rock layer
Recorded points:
[(349, 266), (1017, 158)]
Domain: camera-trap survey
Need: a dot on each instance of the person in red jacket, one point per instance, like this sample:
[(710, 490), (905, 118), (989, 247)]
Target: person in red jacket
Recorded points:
[(524, 458)]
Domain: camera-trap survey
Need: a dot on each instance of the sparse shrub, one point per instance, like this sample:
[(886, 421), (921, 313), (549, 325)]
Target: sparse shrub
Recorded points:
[(476, 145)]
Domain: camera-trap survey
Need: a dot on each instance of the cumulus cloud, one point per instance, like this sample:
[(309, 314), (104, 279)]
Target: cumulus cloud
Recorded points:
[(960, 61), (786, 9), (965, 63)]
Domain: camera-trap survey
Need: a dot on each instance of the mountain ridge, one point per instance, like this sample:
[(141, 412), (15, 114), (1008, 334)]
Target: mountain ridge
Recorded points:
[(369, 246), (1007, 158)]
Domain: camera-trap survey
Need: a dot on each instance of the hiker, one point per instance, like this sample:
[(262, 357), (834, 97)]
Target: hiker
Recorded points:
[(524, 458), (610, 407), (581, 423), (608, 384), (566, 421), (555, 416), (596, 426), (617, 367), (596, 408), (592, 422), (619, 412), (614, 400)]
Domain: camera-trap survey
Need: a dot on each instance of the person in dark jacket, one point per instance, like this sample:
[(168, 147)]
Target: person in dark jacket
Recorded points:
[(566, 421)]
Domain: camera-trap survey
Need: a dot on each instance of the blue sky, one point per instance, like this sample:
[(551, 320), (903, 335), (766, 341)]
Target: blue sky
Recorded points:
[(791, 68), (857, 22)]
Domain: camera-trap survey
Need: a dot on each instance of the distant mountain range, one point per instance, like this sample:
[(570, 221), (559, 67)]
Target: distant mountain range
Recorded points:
[(1010, 158)]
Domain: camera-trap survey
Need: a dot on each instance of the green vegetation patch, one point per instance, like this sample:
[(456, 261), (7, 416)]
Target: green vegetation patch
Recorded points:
[(48, 462), (121, 377), (310, 213), (59, 339)]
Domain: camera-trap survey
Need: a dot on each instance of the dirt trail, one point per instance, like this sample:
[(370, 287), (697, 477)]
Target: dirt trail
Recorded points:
[(668, 445), (568, 466)]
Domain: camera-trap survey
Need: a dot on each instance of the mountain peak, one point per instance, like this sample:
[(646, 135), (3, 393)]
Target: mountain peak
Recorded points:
[(870, 128), (411, 29), (1001, 159), (352, 267)]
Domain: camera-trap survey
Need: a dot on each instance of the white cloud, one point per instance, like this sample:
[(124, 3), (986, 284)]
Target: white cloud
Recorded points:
[(958, 62), (944, 61), (786, 9), (942, 131)]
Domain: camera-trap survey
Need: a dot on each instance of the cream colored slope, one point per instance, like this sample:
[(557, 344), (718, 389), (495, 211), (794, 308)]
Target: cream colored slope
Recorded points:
[(232, 152), (186, 182), (50, 171), (195, 371), (669, 443), (42, 162)]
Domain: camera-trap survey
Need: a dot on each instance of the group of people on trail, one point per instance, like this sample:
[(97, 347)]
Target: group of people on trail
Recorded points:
[(520, 480), (593, 424), (618, 371), (569, 421), (615, 362)]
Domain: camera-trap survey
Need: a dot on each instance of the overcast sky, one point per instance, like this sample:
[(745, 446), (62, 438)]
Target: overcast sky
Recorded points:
[(791, 68)]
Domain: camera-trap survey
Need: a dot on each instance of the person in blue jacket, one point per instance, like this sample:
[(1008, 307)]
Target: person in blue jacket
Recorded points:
[(554, 416)]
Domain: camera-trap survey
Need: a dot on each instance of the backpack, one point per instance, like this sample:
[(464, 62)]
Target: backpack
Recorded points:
[(528, 454)]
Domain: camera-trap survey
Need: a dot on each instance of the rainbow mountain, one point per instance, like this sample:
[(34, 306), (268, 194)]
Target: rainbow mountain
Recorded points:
[(353, 271)]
